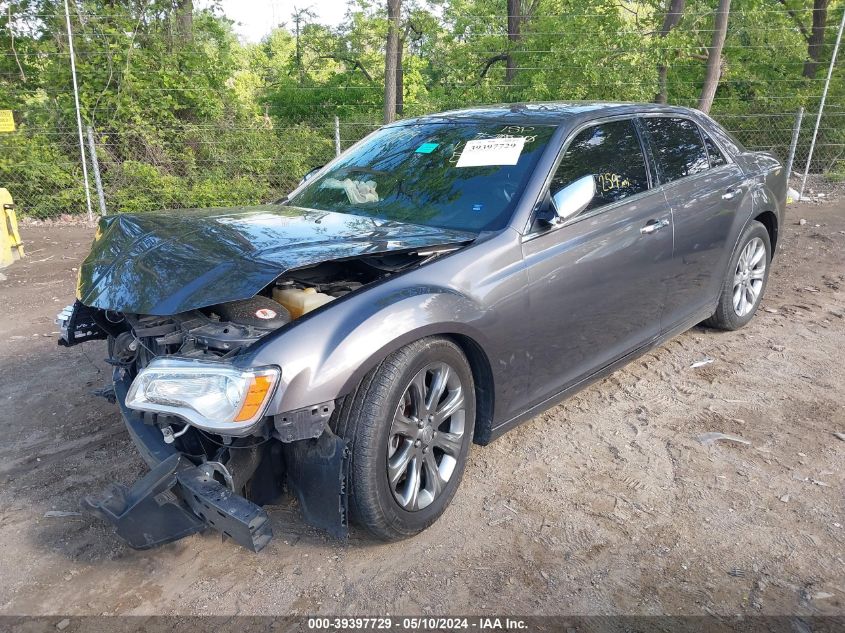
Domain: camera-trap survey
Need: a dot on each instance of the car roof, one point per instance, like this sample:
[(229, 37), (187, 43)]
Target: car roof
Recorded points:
[(548, 113)]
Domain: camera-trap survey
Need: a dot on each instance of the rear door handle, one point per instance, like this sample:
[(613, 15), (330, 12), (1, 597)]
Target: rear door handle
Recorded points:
[(653, 226), (731, 193)]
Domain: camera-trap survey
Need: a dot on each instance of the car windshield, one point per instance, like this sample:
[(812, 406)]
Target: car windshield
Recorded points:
[(455, 175)]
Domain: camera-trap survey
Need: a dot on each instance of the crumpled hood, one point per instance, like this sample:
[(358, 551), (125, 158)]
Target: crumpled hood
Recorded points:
[(164, 263)]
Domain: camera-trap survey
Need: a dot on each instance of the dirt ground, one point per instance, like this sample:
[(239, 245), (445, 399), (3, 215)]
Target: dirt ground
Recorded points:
[(608, 504)]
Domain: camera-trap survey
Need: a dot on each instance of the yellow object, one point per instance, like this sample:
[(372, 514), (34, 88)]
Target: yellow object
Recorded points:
[(255, 398), (7, 121), (11, 247), (299, 301)]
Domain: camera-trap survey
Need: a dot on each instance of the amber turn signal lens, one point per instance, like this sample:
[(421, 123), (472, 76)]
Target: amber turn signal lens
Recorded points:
[(255, 398)]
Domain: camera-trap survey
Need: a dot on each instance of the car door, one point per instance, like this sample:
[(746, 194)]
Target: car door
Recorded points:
[(703, 189), (596, 282)]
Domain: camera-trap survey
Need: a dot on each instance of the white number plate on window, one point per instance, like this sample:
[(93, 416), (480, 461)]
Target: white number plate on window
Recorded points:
[(491, 151)]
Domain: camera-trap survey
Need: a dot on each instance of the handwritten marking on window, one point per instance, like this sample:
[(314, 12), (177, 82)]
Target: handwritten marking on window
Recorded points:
[(609, 181)]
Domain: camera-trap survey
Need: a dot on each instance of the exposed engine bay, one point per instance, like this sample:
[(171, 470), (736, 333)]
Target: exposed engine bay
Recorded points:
[(222, 330), (296, 450)]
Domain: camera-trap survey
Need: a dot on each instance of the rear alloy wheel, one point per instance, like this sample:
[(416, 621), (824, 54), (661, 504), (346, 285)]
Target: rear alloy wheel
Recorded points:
[(748, 277), (745, 281), (410, 426)]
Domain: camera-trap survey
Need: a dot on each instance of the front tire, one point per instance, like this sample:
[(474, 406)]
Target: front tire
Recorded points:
[(410, 425), (745, 280)]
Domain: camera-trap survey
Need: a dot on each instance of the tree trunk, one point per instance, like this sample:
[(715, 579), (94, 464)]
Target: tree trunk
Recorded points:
[(674, 12), (185, 20), (298, 16), (400, 78), (514, 19), (390, 58), (714, 57), (815, 43)]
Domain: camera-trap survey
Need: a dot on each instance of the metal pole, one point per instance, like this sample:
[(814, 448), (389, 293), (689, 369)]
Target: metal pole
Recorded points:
[(796, 130), (821, 105), (337, 136), (92, 150), (78, 115)]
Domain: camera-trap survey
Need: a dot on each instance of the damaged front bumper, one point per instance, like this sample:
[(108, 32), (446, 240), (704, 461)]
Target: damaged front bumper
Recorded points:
[(177, 499), (181, 495)]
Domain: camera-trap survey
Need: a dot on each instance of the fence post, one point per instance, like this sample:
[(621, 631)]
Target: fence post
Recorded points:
[(95, 163), (796, 130), (821, 105), (78, 115), (337, 136)]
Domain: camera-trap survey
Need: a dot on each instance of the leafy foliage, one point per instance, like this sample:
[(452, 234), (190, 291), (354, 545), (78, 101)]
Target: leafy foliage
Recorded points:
[(186, 115)]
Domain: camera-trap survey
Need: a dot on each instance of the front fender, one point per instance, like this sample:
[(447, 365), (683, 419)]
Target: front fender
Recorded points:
[(325, 355)]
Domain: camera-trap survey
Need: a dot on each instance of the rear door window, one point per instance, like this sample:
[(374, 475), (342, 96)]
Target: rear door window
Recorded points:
[(611, 153), (716, 156), (677, 147)]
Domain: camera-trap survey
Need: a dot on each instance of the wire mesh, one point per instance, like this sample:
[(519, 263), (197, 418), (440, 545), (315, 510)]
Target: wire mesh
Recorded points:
[(194, 156)]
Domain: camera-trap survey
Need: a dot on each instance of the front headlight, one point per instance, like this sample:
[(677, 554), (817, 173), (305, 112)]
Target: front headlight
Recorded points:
[(212, 396)]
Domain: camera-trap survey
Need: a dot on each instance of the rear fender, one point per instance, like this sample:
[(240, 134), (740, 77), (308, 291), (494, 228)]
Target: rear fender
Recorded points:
[(768, 187)]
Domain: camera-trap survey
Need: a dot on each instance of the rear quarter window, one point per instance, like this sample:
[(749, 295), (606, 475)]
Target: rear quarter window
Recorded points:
[(725, 139), (716, 156)]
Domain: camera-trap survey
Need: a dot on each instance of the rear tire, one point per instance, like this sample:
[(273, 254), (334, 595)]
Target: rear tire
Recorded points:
[(410, 425), (745, 280)]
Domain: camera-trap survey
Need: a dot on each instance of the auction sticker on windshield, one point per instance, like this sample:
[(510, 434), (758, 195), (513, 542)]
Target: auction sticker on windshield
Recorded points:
[(491, 151)]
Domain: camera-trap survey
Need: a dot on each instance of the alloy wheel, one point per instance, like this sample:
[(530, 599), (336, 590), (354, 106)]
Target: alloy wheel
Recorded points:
[(748, 277), (426, 436)]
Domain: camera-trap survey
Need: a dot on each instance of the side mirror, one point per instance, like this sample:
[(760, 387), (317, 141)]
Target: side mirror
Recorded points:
[(574, 197), (311, 174)]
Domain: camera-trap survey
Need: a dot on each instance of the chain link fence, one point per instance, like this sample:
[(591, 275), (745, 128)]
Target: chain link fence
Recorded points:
[(192, 166), (201, 164), (772, 132)]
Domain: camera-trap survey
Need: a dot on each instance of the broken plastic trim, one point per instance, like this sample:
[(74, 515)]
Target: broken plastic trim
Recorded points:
[(302, 424), (77, 324), (177, 499), (317, 472)]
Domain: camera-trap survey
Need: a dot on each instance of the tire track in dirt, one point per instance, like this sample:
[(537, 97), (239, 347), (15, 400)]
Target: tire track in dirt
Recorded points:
[(607, 503)]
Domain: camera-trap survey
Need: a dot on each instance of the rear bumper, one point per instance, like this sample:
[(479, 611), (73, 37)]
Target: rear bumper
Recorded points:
[(176, 498)]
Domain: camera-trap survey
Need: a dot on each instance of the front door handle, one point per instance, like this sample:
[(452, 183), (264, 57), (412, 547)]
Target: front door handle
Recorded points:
[(653, 226), (730, 193)]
